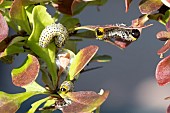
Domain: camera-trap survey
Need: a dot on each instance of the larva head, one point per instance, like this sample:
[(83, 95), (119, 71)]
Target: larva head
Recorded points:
[(66, 86), (134, 34), (99, 33)]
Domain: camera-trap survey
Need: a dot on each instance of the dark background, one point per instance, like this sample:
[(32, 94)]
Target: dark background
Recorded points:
[(130, 76)]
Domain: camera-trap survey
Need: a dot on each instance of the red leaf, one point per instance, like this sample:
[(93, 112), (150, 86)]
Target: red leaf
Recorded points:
[(163, 35), (3, 28), (165, 48), (168, 109), (163, 71), (127, 4), (27, 73), (149, 6)]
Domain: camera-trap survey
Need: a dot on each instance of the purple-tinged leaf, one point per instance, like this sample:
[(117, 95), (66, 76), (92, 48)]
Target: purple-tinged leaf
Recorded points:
[(149, 6), (3, 28), (27, 73), (163, 71), (84, 101)]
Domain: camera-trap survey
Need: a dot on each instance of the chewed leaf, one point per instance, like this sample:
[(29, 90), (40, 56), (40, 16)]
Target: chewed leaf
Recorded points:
[(81, 60), (127, 4), (163, 71), (163, 35), (10, 103), (3, 28), (42, 18), (149, 6), (84, 101), (19, 16), (166, 2), (165, 48), (27, 73)]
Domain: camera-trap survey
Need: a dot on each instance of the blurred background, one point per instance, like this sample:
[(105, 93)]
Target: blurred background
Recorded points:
[(130, 76)]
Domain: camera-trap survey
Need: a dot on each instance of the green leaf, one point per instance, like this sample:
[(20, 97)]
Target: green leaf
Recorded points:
[(81, 60), (6, 4), (102, 58), (48, 104), (13, 49), (35, 87), (36, 104), (10, 103), (18, 15), (27, 73), (41, 19), (69, 22)]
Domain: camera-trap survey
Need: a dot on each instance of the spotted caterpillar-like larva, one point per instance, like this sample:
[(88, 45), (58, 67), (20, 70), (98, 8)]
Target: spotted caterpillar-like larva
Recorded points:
[(54, 31)]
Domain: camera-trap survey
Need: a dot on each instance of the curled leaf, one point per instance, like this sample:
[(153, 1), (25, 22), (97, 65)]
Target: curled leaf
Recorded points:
[(84, 101), (27, 73), (163, 71), (149, 6), (3, 28), (81, 60)]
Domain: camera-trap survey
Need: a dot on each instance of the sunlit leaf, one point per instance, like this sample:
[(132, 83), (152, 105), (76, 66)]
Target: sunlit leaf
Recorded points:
[(36, 104), (10, 103), (149, 6), (81, 60), (102, 58), (27, 73), (27, 2), (1, 1), (18, 15), (41, 19), (127, 4), (163, 35), (3, 28), (165, 48), (84, 101), (166, 2), (163, 71)]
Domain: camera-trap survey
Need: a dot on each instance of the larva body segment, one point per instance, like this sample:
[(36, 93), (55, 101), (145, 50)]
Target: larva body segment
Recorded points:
[(118, 31), (54, 31)]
